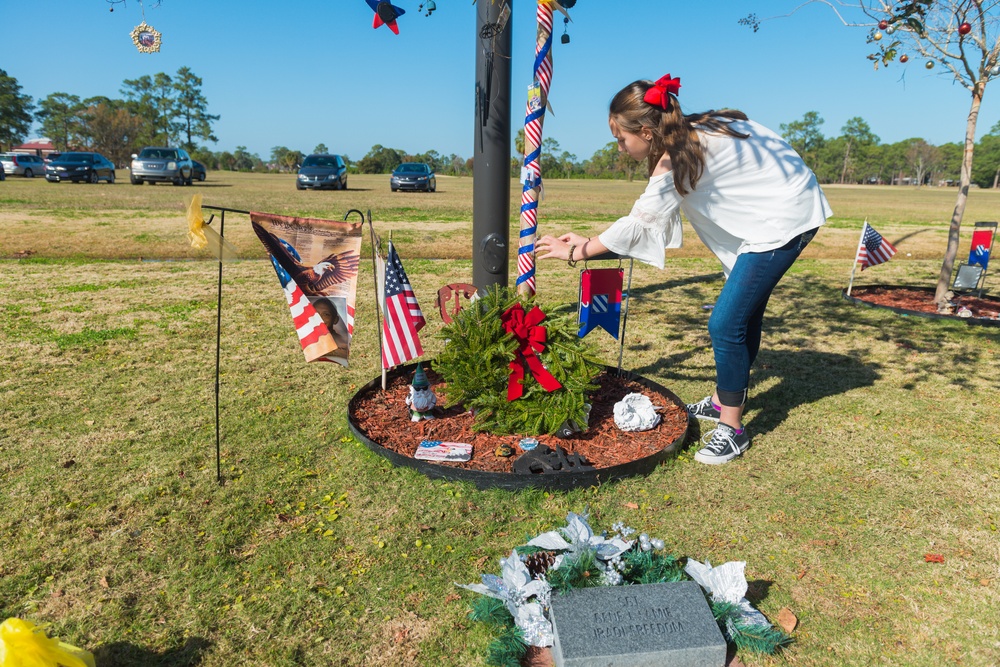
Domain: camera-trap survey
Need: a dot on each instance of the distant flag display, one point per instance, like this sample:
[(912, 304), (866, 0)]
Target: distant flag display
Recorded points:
[(317, 266), (401, 314), (873, 249), (600, 300), (982, 240)]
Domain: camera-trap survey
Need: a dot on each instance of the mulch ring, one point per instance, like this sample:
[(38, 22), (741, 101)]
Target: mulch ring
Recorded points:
[(384, 418), (920, 300)]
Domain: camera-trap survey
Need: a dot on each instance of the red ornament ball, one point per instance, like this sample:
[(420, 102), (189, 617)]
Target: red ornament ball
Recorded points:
[(964, 29), (883, 24), (903, 58)]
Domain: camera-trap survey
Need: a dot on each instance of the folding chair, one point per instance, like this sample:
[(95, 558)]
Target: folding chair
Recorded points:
[(971, 275)]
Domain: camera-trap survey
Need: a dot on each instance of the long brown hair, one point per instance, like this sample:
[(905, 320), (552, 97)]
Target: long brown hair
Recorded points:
[(674, 133)]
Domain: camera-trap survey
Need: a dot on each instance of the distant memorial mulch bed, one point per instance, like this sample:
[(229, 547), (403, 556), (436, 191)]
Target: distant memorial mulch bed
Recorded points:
[(919, 301), (383, 418)]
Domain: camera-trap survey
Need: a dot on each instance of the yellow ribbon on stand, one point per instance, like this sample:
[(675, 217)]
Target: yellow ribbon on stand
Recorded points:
[(24, 644), (201, 235)]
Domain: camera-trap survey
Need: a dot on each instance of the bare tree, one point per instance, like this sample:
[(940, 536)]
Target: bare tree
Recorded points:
[(963, 36)]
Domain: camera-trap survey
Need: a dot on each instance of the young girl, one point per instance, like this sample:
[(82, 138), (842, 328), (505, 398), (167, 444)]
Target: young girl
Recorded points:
[(750, 198)]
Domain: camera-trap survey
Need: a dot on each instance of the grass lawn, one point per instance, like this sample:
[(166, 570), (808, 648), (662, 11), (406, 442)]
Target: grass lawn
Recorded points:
[(875, 440)]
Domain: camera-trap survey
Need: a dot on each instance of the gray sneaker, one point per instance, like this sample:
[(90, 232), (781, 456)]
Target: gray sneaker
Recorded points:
[(704, 409), (724, 445)]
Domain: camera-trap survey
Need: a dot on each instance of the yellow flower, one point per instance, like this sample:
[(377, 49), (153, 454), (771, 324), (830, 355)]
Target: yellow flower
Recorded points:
[(23, 644), (196, 223)]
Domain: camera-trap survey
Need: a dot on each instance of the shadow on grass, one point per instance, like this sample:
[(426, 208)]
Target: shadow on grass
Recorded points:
[(647, 290), (804, 377), (124, 654)]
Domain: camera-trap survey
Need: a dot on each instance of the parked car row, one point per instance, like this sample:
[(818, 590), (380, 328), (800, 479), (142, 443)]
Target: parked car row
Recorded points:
[(151, 165), (328, 171)]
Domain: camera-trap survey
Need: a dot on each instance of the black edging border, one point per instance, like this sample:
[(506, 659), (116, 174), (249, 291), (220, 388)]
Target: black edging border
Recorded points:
[(513, 481), (971, 321)]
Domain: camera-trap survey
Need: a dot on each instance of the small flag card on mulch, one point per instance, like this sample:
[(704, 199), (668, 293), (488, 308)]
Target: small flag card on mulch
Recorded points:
[(436, 450)]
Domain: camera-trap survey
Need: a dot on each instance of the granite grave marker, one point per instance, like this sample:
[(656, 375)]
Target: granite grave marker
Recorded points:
[(636, 626)]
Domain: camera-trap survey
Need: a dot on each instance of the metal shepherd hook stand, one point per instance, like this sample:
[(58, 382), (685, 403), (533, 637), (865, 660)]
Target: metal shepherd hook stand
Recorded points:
[(218, 337), (218, 323)]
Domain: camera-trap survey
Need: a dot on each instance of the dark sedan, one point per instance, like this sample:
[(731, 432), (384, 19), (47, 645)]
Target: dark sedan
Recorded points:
[(77, 167), (413, 176)]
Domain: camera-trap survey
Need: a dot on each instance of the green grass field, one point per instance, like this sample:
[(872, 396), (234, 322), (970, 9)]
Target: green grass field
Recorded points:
[(875, 440)]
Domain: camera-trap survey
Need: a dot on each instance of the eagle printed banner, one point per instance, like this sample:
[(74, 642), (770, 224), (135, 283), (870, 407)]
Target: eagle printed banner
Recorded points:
[(317, 265)]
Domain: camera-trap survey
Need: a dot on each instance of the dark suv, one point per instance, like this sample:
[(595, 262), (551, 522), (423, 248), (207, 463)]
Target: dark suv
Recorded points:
[(321, 171), (160, 164)]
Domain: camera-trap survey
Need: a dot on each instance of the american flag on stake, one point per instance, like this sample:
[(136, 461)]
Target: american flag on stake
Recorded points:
[(401, 315), (873, 249)]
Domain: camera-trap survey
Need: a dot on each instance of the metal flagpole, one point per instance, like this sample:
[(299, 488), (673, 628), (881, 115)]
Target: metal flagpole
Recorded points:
[(378, 304), (218, 356), (850, 283), (621, 337)]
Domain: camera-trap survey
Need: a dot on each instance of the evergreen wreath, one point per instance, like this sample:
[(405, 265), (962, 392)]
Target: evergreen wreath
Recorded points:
[(516, 603), (475, 365)]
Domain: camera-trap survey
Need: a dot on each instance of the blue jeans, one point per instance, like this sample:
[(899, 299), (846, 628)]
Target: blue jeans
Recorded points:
[(738, 316)]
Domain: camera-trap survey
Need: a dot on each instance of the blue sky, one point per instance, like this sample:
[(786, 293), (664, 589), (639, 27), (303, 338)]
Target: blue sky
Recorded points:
[(297, 73)]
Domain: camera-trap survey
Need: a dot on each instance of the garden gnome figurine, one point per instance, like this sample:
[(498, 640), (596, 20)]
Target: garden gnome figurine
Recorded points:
[(421, 399)]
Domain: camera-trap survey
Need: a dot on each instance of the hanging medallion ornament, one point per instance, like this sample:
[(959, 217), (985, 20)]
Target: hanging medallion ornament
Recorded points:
[(146, 38), (600, 300)]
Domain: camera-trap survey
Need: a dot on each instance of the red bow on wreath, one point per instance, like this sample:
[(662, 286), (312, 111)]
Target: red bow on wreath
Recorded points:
[(659, 94), (531, 341)]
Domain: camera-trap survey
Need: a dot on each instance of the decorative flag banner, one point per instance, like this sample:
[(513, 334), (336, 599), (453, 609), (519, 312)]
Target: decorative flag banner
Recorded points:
[(401, 314), (982, 242), (317, 265), (601, 300), (873, 248), (531, 173)]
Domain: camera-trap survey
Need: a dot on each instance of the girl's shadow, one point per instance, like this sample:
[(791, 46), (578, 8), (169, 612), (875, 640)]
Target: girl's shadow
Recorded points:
[(124, 654)]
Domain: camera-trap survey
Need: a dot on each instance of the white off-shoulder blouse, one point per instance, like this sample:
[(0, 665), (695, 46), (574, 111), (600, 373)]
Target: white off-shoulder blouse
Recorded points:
[(756, 194)]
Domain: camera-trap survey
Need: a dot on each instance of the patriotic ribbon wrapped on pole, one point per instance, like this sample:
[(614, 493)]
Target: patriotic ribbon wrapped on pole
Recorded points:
[(531, 175)]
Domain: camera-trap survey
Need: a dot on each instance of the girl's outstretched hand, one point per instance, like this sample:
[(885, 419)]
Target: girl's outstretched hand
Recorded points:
[(574, 238), (550, 247)]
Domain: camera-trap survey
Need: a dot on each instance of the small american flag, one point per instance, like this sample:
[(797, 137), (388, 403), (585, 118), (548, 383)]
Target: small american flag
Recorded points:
[(873, 249), (402, 317)]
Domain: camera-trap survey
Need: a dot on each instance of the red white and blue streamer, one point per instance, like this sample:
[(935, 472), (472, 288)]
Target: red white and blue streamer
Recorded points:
[(532, 172)]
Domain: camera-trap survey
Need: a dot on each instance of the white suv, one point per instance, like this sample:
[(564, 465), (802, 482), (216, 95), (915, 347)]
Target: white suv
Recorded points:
[(159, 164)]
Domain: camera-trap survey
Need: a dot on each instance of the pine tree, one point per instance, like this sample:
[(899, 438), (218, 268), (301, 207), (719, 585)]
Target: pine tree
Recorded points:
[(475, 364)]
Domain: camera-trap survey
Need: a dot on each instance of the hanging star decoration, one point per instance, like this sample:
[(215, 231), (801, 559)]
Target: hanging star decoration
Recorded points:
[(386, 13), (146, 38)]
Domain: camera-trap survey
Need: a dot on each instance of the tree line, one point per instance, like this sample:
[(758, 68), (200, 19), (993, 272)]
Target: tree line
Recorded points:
[(172, 110), (158, 110)]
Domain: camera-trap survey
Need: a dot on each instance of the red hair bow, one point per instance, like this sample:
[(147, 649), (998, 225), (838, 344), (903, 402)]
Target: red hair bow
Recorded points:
[(659, 94)]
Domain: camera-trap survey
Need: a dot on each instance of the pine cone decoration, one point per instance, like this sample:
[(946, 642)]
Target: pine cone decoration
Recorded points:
[(539, 562)]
